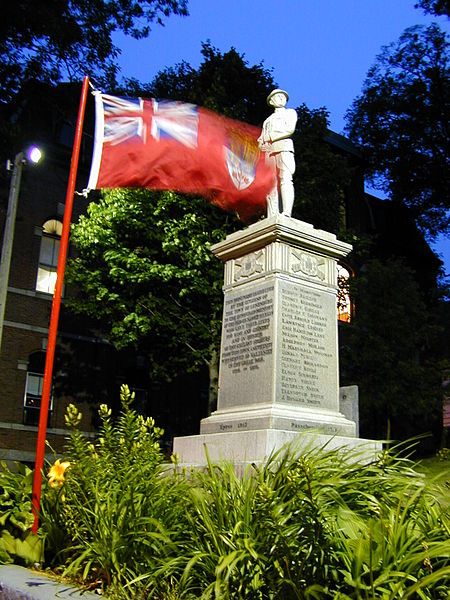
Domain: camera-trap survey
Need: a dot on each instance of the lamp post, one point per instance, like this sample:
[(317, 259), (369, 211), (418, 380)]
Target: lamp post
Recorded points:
[(21, 159)]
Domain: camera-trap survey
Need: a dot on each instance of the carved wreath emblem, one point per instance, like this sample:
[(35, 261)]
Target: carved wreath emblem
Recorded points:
[(249, 265), (310, 265)]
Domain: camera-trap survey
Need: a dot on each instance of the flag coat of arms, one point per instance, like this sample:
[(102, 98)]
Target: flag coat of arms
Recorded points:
[(170, 145)]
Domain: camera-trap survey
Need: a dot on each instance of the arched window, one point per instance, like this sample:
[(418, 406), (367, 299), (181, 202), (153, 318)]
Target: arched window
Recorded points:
[(33, 389), (344, 303), (48, 256)]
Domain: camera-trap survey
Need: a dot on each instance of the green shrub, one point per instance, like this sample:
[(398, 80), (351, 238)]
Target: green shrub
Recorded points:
[(107, 521), (320, 524), (17, 543)]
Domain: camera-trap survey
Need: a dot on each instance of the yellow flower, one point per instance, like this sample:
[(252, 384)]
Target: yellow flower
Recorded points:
[(56, 473)]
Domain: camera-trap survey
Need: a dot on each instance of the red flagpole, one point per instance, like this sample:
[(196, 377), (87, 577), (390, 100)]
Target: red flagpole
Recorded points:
[(56, 305)]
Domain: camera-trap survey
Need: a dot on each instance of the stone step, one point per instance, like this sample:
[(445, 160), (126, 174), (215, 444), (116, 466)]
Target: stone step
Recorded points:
[(19, 583)]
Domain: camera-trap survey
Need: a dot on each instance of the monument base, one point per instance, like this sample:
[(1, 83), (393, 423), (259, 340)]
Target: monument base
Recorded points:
[(279, 372), (278, 416), (246, 447)]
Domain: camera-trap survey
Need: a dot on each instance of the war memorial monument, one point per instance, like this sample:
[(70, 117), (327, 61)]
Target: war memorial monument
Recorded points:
[(278, 374)]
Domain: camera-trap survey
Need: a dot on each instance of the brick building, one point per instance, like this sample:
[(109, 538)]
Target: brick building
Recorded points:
[(47, 118)]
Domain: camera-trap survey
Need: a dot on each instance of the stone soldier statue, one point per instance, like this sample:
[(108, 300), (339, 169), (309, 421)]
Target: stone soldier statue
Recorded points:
[(275, 141)]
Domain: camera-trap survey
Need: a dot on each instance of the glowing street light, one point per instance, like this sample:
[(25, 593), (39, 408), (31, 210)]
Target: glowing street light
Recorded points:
[(33, 155)]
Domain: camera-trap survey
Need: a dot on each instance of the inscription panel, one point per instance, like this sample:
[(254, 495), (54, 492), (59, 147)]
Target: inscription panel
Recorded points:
[(246, 365), (307, 351)]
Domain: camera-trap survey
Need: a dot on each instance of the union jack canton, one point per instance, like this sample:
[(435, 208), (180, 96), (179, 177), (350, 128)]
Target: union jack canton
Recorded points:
[(131, 118)]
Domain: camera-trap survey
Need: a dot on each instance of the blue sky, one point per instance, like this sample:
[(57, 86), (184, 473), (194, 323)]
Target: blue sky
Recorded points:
[(319, 50)]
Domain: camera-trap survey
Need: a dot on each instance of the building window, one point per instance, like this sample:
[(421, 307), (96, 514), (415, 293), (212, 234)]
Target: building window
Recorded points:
[(33, 390), (48, 256), (344, 303)]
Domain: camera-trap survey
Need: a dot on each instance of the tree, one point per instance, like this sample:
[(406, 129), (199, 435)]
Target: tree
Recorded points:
[(224, 82), (401, 120), (388, 352), (434, 7), (146, 273), (52, 39), (321, 176), (144, 266)]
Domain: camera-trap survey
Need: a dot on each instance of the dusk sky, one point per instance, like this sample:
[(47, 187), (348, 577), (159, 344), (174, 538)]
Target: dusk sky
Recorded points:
[(319, 50)]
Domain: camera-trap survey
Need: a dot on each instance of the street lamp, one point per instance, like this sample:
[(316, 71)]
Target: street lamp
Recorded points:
[(33, 155)]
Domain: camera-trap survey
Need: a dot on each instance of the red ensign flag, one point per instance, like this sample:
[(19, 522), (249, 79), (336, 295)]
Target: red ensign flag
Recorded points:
[(167, 145)]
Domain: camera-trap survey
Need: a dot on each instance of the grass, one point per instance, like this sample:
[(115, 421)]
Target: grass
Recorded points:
[(435, 467), (437, 472)]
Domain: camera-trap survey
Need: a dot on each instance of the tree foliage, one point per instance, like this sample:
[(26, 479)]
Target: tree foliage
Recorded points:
[(322, 175), (434, 7), (147, 274), (144, 263), (51, 39), (388, 352), (401, 120), (227, 83), (224, 82)]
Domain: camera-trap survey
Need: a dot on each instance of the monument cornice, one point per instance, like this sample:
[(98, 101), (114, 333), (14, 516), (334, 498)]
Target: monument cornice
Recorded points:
[(282, 229)]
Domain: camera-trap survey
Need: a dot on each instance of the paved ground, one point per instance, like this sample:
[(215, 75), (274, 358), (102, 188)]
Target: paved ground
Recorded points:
[(18, 583)]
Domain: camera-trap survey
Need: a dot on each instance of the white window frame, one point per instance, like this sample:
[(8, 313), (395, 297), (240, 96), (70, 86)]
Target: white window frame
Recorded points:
[(48, 256), (28, 395)]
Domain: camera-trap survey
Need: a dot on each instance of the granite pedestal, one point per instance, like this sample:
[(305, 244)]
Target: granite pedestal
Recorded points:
[(278, 371)]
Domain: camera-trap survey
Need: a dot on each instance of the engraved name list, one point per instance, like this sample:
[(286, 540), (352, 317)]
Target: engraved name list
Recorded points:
[(305, 361)]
